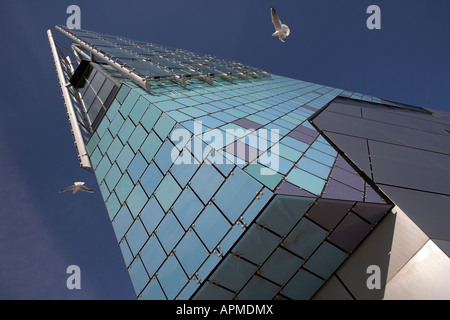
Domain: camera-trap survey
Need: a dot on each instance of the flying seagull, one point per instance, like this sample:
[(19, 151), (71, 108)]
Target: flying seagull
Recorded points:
[(281, 30), (77, 186)]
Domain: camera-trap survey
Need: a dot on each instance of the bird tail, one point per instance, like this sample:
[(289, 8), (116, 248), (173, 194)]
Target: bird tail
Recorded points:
[(276, 33)]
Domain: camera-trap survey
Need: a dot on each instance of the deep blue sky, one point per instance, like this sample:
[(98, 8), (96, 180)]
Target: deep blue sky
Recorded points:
[(42, 232)]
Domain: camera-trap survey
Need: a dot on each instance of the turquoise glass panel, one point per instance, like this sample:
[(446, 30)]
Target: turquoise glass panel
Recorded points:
[(138, 110), (153, 291), (190, 252), (124, 187), (314, 167), (151, 215), (306, 181), (128, 103), (151, 178), (167, 192), (125, 157), (112, 177), (164, 156), (206, 181), (187, 207), (163, 126), (150, 146), (169, 232), (137, 167), (172, 277), (116, 124), (150, 117), (122, 222), (114, 149), (152, 255), (137, 200), (211, 216), (136, 236), (126, 130), (137, 138), (138, 275)]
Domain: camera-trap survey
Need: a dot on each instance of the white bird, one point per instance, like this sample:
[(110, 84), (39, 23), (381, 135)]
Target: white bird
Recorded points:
[(281, 30), (77, 186)]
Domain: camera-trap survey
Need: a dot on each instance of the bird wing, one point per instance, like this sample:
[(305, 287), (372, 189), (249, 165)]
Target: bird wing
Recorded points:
[(83, 188), (275, 20), (67, 189)]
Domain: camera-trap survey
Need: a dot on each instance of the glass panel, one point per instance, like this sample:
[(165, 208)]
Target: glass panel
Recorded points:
[(138, 275), (169, 232), (124, 187), (128, 104), (258, 289), (114, 149), (187, 207), (126, 253), (206, 181), (136, 236), (102, 168), (314, 167), (137, 200), (304, 238), (137, 138), (151, 178), (172, 277), (325, 260), (113, 177), (152, 255), (203, 226), (151, 215), (233, 273), (116, 123), (167, 192), (184, 171), (105, 141), (236, 194), (265, 175), (150, 117), (126, 130), (164, 125), (138, 110), (150, 146), (125, 157), (191, 252), (153, 292), (122, 94), (164, 156), (306, 181), (137, 167), (122, 221), (112, 205), (281, 257), (302, 286)]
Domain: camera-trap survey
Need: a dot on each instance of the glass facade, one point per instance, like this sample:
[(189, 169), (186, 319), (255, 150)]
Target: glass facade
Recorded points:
[(223, 189)]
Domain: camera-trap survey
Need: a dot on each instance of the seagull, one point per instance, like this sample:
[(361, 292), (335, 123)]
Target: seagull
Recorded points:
[(281, 30), (77, 186)]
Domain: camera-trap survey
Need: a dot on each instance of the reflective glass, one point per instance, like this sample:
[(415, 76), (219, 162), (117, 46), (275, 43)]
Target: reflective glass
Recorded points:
[(150, 117), (167, 192), (183, 172), (112, 177), (125, 157), (206, 181), (138, 110), (236, 193), (105, 141), (138, 275), (271, 268), (151, 178), (112, 205), (151, 215), (302, 286), (150, 146), (164, 156), (102, 168), (153, 291), (304, 238), (314, 167), (203, 226), (172, 277), (169, 232), (325, 260), (126, 253), (128, 103), (258, 289), (116, 124), (306, 181), (126, 130), (191, 252), (137, 167), (122, 94), (233, 273), (187, 207), (124, 187), (114, 149), (137, 138), (163, 126), (136, 236), (320, 156), (122, 221), (137, 200), (265, 175), (152, 255)]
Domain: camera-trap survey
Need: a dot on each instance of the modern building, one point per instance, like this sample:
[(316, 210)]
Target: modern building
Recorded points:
[(223, 181)]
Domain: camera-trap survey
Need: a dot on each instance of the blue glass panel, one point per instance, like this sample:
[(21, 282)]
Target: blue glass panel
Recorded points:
[(137, 167), (320, 156), (294, 143), (281, 257), (124, 187), (256, 206), (184, 171), (169, 232), (206, 181), (112, 205), (167, 192), (163, 126), (302, 286), (224, 116), (258, 289), (210, 263), (164, 156), (152, 255), (153, 291), (112, 177), (236, 194), (151, 178), (105, 141), (126, 253), (126, 130), (102, 168), (115, 125), (125, 157), (187, 207), (151, 215), (128, 103), (325, 260), (138, 275), (114, 149), (122, 221), (137, 200), (150, 117), (172, 277), (306, 181), (314, 167), (304, 238), (189, 289), (136, 236), (233, 273), (191, 252), (203, 226), (150, 146), (138, 110)]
